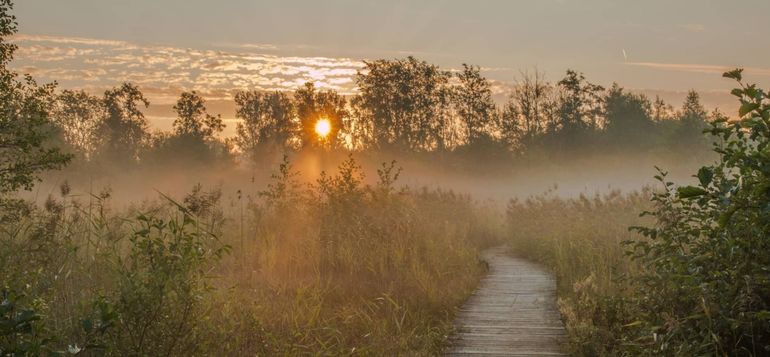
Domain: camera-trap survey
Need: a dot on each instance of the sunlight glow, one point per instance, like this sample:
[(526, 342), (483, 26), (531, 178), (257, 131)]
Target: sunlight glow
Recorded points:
[(323, 127)]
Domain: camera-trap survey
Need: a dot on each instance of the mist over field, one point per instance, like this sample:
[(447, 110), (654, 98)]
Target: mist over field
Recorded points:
[(374, 178), (591, 175)]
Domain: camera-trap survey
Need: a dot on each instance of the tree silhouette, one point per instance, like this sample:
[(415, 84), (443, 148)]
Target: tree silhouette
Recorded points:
[(661, 110), (688, 137), (313, 105), (581, 104), (530, 110), (25, 128), (476, 109), (627, 118), (123, 131), (194, 138), (78, 115), (403, 103), (193, 119), (268, 122)]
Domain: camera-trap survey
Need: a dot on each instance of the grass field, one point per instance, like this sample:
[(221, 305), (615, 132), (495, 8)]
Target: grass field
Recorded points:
[(333, 268)]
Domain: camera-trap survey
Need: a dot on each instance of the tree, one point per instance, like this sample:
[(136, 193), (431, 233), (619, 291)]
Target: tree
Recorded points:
[(194, 138), (692, 109), (193, 119), (123, 131), (313, 105), (472, 100), (661, 110), (581, 105), (25, 128), (268, 122), (627, 118), (509, 125), (77, 114), (688, 138), (529, 112), (403, 103)]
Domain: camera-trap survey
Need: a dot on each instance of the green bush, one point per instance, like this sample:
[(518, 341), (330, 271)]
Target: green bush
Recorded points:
[(161, 286), (705, 288)]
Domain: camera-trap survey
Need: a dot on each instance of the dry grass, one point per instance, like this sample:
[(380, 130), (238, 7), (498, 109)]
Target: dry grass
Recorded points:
[(339, 267), (579, 239)]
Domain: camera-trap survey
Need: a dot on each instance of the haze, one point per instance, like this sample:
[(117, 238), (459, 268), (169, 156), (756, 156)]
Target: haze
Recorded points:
[(654, 47)]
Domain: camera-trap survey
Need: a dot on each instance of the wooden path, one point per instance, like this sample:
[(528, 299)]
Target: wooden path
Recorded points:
[(513, 313)]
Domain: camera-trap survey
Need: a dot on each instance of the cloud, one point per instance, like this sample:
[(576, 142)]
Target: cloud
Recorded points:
[(496, 69), (698, 68), (693, 27), (258, 46), (165, 71), (68, 40)]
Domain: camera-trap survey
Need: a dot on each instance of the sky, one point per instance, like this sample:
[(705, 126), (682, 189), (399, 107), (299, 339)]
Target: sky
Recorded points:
[(217, 47)]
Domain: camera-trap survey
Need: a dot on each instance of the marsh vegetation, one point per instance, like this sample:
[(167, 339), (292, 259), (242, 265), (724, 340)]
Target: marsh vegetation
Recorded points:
[(299, 235)]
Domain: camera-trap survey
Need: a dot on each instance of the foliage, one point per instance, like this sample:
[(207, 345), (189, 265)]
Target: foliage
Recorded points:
[(160, 286), (697, 282), (705, 288), (25, 129), (580, 106), (403, 103), (313, 105), (78, 115), (475, 107), (193, 119), (268, 122), (693, 119), (123, 131), (530, 110), (579, 239), (194, 138), (627, 115)]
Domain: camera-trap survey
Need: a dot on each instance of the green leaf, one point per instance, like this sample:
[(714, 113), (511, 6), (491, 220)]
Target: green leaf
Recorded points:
[(690, 191), (88, 325), (27, 316), (734, 74), (752, 92), (763, 315), (747, 108), (705, 176)]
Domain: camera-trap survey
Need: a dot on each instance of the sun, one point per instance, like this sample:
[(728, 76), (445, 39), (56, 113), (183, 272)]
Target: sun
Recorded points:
[(323, 127)]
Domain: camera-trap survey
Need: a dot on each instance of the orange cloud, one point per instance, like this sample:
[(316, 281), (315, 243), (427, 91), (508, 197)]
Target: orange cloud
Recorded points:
[(98, 64)]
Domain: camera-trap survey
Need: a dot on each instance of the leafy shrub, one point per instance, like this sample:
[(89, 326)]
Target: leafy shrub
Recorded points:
[(161, 284), (705, 288), (698, 282)]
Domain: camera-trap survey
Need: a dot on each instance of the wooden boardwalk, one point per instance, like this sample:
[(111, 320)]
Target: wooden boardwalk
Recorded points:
[(513, 313)]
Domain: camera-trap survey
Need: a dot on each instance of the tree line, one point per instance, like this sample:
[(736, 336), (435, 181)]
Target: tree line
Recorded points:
[(406, 105)]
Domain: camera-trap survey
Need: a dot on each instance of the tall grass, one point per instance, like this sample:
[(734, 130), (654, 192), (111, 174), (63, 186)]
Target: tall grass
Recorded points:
[(580, 240), (335, 267)]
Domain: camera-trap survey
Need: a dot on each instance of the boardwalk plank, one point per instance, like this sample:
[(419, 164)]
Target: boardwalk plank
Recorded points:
[(513, 313)]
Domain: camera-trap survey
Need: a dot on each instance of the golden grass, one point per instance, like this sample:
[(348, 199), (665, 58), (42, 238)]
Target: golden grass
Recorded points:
[(335, 268)]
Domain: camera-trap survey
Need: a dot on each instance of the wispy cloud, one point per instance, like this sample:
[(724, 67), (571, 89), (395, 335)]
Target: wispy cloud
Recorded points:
[(69, 40), (698, 68), (693, 27), (164, 71), (258, 46), (496, 69)]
